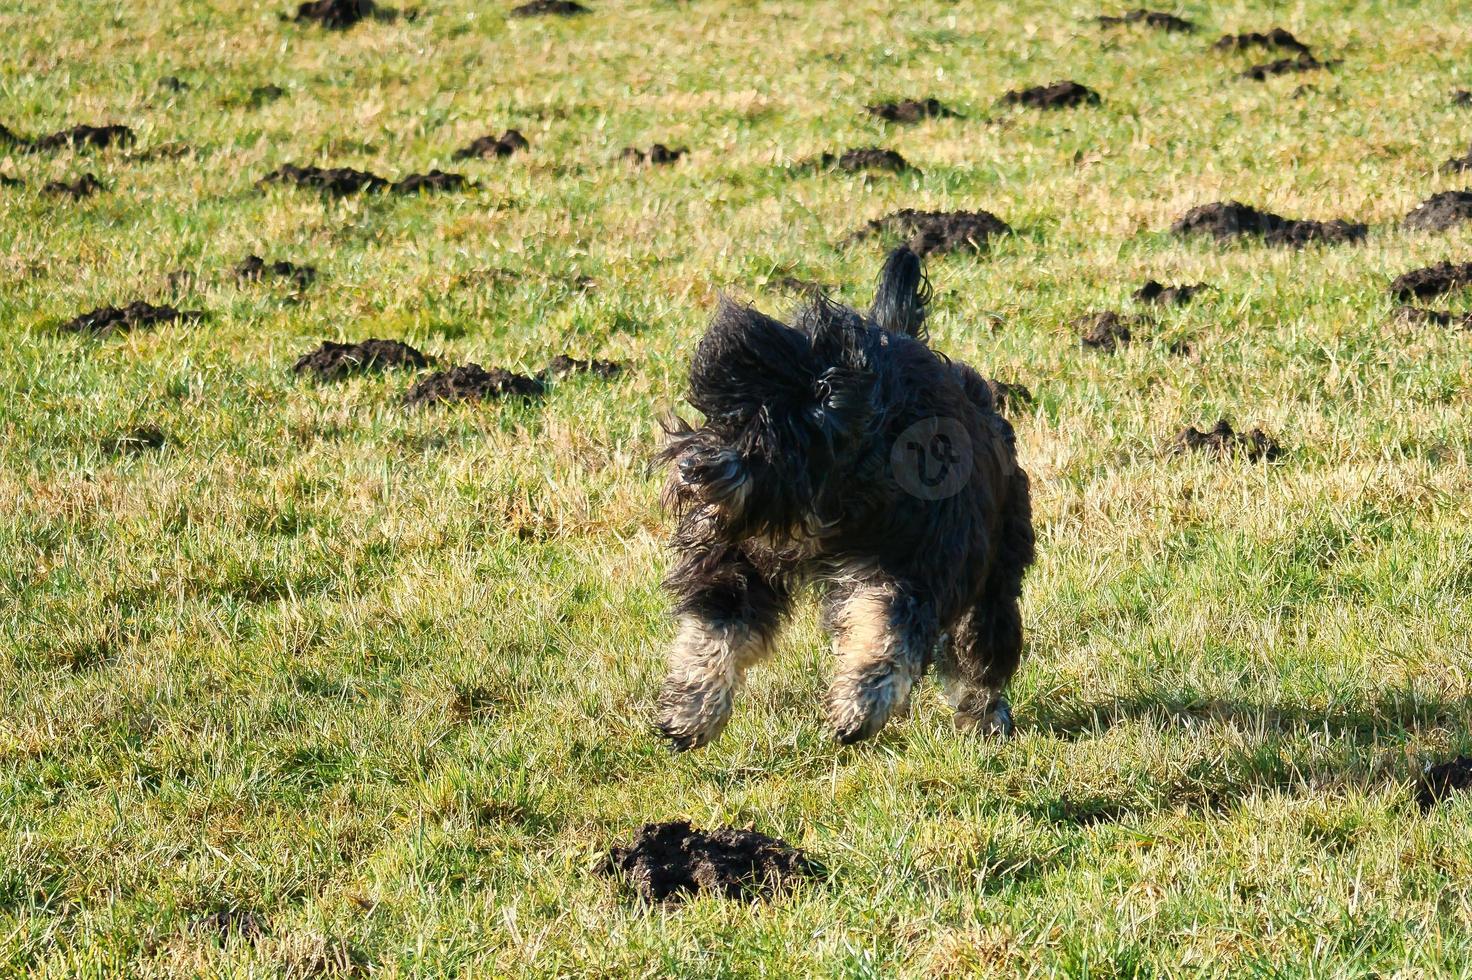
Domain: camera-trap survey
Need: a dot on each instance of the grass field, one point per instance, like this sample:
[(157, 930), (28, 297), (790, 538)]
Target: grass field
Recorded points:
[(325, 686)]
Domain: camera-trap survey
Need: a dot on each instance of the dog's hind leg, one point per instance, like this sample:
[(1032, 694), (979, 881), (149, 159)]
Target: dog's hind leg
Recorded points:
[(727, 618), (982, 657), (883, 637)]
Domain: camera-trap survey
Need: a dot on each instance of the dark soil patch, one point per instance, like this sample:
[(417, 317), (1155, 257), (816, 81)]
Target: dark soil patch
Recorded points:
[(563, 366), (656, 155), (1275, 38), (77, 137), (344, 181), (1150, 18), (1159, 295), (1059, 95), (672, 861), (1459, 164), (486, 147), (544, 8), (1442, 780), (802, 287), (337, 181), (911, 110), (339, 15), (256, 269), (173, 83), (1433, 318), (1432, 280), (1284, 66), (937, 231), (1107, 331), (433, 182), (111, 319), (1462, 97), (1008, 396), (333, 361), (133, 441), (471, 382), (1441, 211), (262, 94), (84, 186), (1223, 441), (229, 922), (8, 181), (1233, 219), (866, 158)]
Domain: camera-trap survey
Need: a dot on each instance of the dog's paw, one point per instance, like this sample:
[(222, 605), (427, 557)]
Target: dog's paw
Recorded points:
[(995, 719), (691, 717), (860, 705)]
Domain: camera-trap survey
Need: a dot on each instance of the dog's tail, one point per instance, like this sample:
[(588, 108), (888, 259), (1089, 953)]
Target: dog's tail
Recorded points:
[(903, 291)]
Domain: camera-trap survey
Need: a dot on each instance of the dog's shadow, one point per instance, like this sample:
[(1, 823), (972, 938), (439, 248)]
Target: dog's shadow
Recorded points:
[(1392, 715), (1293, 750)]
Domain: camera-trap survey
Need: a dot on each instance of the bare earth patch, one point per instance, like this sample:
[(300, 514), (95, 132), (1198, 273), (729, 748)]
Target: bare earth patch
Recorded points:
[(1233, 219), (673, 861), (937, 232), (471, 382), (1223, 441)]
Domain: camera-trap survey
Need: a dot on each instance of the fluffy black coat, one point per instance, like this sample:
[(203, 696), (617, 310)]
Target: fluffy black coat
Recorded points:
[(842, 451)]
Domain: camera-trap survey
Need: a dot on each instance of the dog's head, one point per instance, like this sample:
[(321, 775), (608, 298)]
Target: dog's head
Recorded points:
[(787, 410)]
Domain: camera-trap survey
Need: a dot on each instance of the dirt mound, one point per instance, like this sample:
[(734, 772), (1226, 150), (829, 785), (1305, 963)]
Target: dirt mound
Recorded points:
[(1159, 295), (1150, 18), (1432, 280), (1441, 211), (910, 110), (1007, 396), (229, 922), (111, 319), (471, 382), (1222, 441), (1433, 318), (1283, 66), (77, 137), (337, 181), (262, 94), (563, 366), (1442, 780), (1462, 97), (1058, 95), (133, 441), (802, 287), (343, 181), (937, 231), (333, 361), (866, 158), (672, 861), (256, 269), (434, 181), (173, 83), (656, 155), (8, 181), (84, 186), (1233, 219), (1105, 331), (336, 15), (1459, 164), (543, 8), (486, 147), (1275, 38)]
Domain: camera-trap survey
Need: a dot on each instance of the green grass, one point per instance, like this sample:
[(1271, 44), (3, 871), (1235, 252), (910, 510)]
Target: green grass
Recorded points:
[(382, 681)]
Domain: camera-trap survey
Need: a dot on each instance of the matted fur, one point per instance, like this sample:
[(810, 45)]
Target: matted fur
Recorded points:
[(792, 480)]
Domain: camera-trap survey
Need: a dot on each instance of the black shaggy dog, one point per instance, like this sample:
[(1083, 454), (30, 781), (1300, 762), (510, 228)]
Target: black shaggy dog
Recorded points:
[(843, 452)]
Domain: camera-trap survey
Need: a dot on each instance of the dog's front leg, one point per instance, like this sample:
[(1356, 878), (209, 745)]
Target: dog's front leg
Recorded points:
[(728, 614), (882, 635)]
